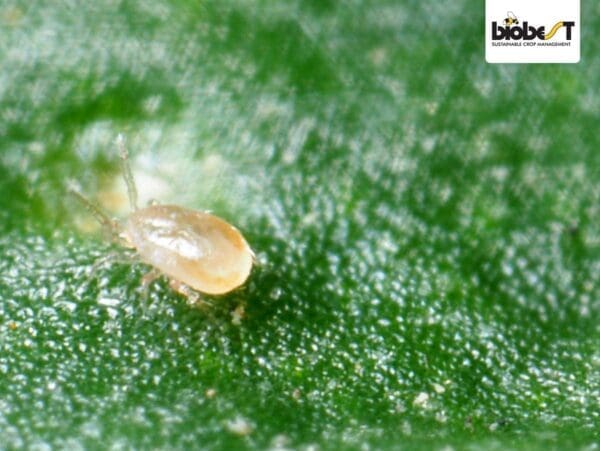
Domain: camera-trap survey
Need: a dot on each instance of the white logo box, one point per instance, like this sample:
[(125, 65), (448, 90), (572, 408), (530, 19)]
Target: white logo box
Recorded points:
[(510, 15)]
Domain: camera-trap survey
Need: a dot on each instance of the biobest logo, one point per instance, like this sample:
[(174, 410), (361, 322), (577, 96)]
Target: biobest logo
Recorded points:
[(525, 38), (510, 30)]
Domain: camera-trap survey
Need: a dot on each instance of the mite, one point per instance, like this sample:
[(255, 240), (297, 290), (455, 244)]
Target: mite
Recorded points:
[(197, 251)]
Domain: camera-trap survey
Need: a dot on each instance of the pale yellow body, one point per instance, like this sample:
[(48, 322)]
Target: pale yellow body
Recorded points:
[(192, 247)]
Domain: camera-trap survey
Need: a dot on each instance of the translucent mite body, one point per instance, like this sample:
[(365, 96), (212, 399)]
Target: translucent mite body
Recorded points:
[(195, 250)]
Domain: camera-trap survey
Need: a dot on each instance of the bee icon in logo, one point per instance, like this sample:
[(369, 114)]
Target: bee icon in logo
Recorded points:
[(511, 19)]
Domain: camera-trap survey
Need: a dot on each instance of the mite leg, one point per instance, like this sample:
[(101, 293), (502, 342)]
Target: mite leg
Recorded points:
[(127, 174), (193, 298), (238, 314), (115, 256), (150, 277), (147, 279), (109, 226)]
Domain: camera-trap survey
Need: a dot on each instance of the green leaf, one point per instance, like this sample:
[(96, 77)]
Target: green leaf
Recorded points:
[(425, 224)]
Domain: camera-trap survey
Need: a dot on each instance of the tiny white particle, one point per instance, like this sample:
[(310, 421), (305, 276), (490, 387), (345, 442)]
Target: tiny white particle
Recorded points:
[(280, 442), (240, 426), (421, 400), (210, 393), (439, 389), (112, 313), (109, 302)]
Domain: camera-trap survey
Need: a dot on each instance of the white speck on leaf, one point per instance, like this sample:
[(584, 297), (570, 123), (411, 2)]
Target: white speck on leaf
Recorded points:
[(421, 400), (240, 426), (439, 389)]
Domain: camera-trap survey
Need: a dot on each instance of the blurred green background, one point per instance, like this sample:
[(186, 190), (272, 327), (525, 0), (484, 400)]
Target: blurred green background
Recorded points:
[(426, 226)]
